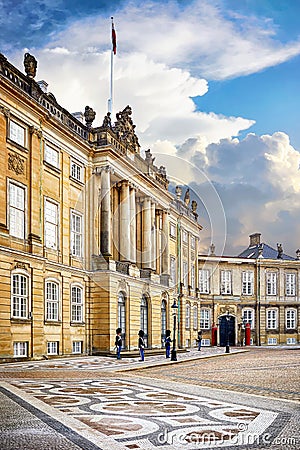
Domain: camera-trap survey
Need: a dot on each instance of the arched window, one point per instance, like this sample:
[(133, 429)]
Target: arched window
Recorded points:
[(187, 316), (163, 321), (52, 300), (19, 296), (144, 317), (248, 316), (195, 317), (76, 303), (122, 316), (290, 319)]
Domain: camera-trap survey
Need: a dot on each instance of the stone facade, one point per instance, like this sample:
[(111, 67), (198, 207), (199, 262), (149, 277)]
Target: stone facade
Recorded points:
[(262, 291), (91, 238)]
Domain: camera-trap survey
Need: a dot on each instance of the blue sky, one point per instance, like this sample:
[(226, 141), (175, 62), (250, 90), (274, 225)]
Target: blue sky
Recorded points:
[(215, 82)]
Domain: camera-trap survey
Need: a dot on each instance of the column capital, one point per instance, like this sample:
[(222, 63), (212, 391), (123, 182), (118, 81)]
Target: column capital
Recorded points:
[(5, 111), (98, 170)]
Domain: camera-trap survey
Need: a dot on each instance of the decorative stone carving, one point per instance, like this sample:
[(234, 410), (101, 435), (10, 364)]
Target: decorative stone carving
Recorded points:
[(149, 158), (178, 191), (280, 251), (89, 115), (194, 206), (20, 265), (212, 249), (123, 286), (187, 197), (125, 129), (107, 121), (37, 131), (225, 309), (30, 64), (5, 111), (16, 163)]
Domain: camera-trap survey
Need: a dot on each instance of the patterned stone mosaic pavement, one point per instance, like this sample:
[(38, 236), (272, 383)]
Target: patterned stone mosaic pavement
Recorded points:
[(109, 410)]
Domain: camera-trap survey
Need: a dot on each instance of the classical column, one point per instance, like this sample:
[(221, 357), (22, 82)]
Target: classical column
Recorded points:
[(115, 223), (132, 206), (153, 237), (165, 243), (105, 236), (124, 222), (146, 233)]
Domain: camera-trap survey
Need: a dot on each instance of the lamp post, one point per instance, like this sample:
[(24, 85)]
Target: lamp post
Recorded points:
[(173, 352), (227, 331)]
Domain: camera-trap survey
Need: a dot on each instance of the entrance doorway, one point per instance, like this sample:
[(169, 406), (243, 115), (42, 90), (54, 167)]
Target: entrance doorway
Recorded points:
[(227, 330)]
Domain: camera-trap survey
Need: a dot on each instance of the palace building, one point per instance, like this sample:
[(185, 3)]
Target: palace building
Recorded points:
[(260, 287), (91, 238)]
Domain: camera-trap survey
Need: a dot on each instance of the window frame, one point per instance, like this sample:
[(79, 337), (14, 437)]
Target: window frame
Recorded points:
[(78, 306), (49, 151), (74, 174), (271, 283), (74, 234), (172, 230), (17, 346), (185, 273), (51, 224), (272, 322), (225, 284), (53, 344), (188, 316), (23, 141), (251, 320), (173, 270), (11, 208), (205, 318), (26, 315), (290, 285), (294, 319), (195, 317), (247, 282), (78, 351), (204, 281), (51, 302)]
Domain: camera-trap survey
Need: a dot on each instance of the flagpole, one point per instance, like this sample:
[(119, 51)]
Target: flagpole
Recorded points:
[(113, 52)]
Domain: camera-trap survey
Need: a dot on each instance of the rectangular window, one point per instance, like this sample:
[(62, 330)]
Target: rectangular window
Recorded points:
[(204, 281), (20, 349), (225, 282), (77, 347), (248, 317), (272, 319), (185, 273), (205, 343), (52, 156), (205, 319), (172, 270), (76, 234), (172, 230), (52, 301), (184, 236), (291, 341), (193, 277), (16, 211), (19, 296), (272, 341), (76, 171), (193, 242), (271, 283), (51, 225), (290, 319), (76, 304), (247, 282), (52, 348), (290, 284), (17, 133)]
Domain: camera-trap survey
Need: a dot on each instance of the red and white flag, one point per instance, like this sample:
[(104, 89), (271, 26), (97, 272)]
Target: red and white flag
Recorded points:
[(113, 37)]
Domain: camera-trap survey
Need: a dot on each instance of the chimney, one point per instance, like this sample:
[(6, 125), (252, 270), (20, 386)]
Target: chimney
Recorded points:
[(254, 239), (43, 85)]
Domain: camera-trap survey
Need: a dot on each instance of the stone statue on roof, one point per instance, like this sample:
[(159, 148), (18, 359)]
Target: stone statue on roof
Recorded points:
[(187, 197), (280, 251), (30, 65)]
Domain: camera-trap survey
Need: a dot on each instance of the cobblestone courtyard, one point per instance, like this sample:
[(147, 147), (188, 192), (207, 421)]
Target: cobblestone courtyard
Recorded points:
[(205, 400)]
